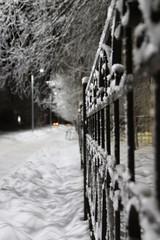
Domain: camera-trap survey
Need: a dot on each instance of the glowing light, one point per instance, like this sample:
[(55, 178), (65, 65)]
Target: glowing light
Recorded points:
[(55, 124), (68, 124), (19, 119), (41, 70)]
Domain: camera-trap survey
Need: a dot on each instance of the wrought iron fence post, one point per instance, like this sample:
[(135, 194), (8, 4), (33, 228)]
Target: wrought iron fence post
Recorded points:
[(130, 105), (157, 138), (80, 131), (117, 159), (84, 82), (117, 58), (108, 131)]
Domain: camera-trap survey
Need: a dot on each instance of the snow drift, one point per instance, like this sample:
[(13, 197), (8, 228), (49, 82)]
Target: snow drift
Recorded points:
[(43, 198)]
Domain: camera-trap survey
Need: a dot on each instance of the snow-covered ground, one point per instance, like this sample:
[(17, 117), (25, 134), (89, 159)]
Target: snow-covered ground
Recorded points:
[(144, 163), (41, 186)]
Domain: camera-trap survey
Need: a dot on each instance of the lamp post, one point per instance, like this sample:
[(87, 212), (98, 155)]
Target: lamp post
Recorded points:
[(50, 107), (32, 101), (32, 98)]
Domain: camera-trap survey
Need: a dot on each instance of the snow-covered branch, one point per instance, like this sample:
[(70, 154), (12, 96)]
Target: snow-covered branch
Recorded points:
[(58, 36)]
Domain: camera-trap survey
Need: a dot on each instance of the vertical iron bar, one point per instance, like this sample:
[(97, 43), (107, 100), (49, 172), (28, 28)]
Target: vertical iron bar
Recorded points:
[(84, 150), (96, 191), (134, 230), (102, 129), (95, 126), (104, 216), (117, 159), (116, 58), (108, 130), (157, 138), (99, 123), (130, 135), (130, 106), (92, 126), (108, 146), (116, 132), (32, 101)]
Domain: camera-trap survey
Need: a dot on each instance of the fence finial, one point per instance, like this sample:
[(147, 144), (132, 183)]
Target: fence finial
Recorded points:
[(85, 80)]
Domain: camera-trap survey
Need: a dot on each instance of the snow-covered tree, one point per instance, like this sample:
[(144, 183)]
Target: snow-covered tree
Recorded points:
[(57, 36)]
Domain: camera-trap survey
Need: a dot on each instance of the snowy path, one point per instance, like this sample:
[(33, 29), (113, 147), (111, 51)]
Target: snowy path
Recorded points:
[(42, 199), (17, 147)]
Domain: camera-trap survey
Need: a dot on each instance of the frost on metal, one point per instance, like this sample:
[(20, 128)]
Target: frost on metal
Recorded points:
[(111, 187), (147, 37)]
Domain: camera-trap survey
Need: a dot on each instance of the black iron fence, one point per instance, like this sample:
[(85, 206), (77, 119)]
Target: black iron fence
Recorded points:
[(116, 206)]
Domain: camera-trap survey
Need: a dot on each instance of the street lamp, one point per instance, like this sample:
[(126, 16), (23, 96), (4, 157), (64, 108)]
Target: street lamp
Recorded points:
[(41, 70), (50, 111)]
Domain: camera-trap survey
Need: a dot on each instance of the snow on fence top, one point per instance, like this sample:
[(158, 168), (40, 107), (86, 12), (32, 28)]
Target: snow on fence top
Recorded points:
[(84, 80), (128, 54)]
